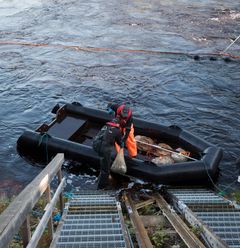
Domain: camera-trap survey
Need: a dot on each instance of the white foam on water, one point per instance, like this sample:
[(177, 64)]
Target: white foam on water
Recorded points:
[(11, 7)]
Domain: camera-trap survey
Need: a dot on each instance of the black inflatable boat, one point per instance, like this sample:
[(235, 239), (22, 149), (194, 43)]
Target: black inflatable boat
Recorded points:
[(74, 126)]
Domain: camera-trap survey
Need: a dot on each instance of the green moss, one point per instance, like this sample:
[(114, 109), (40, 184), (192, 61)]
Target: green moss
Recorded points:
[(148, 210), (197, 230), (236, 196), (4, 202), (159, 238), (16, 244)]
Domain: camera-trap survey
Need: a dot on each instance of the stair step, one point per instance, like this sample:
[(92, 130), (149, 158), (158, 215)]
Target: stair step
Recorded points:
[(77, 232), (93, 244), (91, 221), (225, 229), (223, 223), (90, 226), (91, 216), (93, 202), (88, 238), (216, 213), (89, 211)]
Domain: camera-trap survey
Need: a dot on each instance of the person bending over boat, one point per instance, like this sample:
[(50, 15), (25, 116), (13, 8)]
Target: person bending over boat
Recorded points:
[(124, 113), (103, 144)]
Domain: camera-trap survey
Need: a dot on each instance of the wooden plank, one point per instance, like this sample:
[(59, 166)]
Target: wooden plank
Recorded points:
[(178, 224), (144, 203), (26, 231), (59, 175), (14, 216), (140, 231), (50, 222)]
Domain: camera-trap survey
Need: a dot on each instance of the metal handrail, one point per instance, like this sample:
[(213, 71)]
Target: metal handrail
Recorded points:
[(16, 215)]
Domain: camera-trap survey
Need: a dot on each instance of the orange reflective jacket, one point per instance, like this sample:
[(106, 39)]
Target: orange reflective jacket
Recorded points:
[(130, 143)]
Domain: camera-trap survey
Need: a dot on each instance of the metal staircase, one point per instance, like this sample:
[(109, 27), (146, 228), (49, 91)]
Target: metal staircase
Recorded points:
[(215, 215), (92, 219)]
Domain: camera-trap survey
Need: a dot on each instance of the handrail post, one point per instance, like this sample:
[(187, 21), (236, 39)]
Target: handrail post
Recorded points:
[(50, 222), (59, 175), (46, 217), (26, 231)]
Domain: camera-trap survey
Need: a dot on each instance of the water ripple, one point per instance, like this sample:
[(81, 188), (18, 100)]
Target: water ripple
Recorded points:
[(199, 95)]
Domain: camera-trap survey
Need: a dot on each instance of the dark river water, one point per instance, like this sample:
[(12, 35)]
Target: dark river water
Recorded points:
[(201, 96)]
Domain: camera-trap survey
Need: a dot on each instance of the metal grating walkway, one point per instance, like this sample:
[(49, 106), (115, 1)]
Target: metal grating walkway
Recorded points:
[(219, 219), (92, 219)]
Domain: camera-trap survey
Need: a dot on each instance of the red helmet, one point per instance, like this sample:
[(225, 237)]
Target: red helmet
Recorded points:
[(124, 113)]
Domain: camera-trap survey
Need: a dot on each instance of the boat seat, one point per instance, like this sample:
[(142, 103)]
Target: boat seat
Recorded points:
[(67, 127)]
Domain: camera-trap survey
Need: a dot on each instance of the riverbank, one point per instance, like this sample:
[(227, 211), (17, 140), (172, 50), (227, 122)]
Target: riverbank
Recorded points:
[(160, 232)]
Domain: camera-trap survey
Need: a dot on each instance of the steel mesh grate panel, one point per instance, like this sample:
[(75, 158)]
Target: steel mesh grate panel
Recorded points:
[(93, 203), (92, 245), (226, 229), (221, 219), (225, 222), (93, 192), (77, 232), (199, 194), (232, 243), (94, 238), (92, 221), (94, 211), (216, 212), (190, 191), (91, 197), (92, 216), (210, 202), (226, 236), (80, 227), (91, 226)]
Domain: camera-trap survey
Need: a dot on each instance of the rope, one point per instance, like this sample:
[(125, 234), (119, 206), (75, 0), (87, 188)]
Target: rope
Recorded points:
[(231, 44), (164, 149), (57, 217), (68, 195), (44, 136), (37, 213), (102, 49), (221, 192)]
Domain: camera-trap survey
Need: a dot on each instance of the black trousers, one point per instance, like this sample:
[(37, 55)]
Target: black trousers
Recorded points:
[(105, 165)]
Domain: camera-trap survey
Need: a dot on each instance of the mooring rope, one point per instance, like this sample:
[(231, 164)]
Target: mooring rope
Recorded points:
[(221, 192), (44, 136), (105, 49), (231, 44)]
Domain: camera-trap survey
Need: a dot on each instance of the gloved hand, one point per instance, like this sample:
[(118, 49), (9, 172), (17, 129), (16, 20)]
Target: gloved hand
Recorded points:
[(110, 111), (122, 144), (109, 105)]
